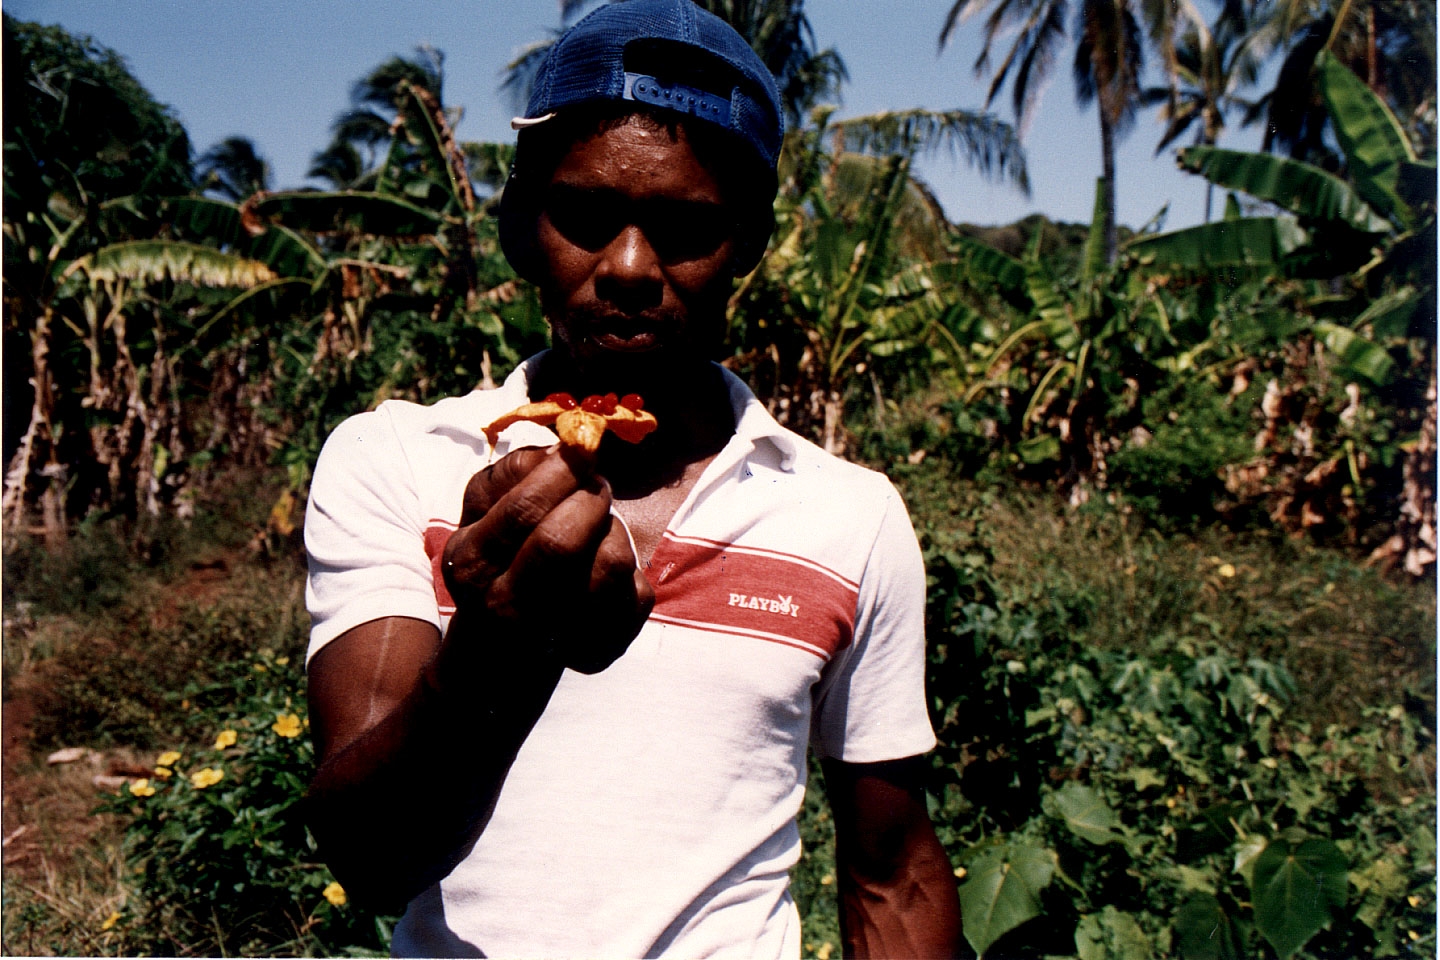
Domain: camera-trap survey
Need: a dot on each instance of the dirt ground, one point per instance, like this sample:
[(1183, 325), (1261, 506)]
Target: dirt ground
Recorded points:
[(55, 847)]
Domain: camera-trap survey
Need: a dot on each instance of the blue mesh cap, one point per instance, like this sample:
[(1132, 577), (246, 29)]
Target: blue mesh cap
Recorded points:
[(709, 71)]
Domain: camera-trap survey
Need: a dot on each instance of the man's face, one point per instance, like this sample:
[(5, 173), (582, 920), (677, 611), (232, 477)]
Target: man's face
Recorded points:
[(637, 241)]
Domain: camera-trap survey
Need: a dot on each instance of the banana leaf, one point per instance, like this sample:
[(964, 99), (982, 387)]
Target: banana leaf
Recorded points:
[(1356, 354), (1250, 242), (987, 267), (151, 261), (1371, 138), (218, 223), (1304, 190), (375, 214)]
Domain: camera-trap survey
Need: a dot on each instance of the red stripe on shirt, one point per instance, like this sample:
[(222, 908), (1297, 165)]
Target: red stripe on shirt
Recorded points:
[(436, 536), (745, 591)]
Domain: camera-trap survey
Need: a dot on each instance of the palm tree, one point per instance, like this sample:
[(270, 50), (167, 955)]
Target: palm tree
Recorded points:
[(778, 30), (1390, 44), (1211, 65), (1109, 53), (233, 169), (359, 133)]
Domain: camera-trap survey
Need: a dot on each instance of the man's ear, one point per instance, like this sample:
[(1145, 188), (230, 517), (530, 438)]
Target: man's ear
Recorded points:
[(752, 236), (518, 228)]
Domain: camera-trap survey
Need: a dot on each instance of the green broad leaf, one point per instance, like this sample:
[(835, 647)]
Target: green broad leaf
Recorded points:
[(1193, 880), (1416, 184), (1389, 314), (1002, 891), (1039, 449), (987, 267), (375, 214), (1094, 256), (1247, 851), (1232, 206), (1306, 191), (1250, 242), (153, 261), (1203, 930), (1111, 935), (1356, 354), (1296, 887), (1145, 778), (1371, 138), (218, 223), (1085, 812)]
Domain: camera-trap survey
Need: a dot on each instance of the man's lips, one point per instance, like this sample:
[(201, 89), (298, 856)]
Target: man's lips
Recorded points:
[(624, 334)]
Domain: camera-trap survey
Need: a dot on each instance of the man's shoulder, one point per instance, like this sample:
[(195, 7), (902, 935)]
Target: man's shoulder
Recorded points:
[(812, 463), (459, 417)]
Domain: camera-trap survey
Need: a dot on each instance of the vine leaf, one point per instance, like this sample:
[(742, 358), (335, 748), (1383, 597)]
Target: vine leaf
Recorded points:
[(1204, 931), (1003, 891), (1111, 935), (1086, 813), (1297, 883)]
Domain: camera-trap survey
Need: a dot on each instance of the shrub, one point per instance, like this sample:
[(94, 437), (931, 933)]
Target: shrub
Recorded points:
[(1142, 794), (224, 863)]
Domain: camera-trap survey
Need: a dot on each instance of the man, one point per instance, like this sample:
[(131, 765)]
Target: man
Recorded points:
[(562, 705)]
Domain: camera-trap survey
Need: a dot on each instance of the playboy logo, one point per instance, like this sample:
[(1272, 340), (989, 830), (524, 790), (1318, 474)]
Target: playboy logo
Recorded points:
[(782, 606)]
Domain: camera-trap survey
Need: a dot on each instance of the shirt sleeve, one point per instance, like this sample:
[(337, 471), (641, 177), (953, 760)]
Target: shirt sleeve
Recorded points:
[(363, 533), (871, 703)]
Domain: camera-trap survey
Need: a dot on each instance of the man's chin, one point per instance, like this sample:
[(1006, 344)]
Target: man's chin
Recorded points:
[(631, 368)]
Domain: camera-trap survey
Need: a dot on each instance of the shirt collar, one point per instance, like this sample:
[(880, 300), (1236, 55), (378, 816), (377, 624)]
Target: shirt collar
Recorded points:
[(753, 423)]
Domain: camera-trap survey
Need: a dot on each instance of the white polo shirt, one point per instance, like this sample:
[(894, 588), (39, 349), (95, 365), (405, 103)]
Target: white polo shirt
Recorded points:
[(652, 809)]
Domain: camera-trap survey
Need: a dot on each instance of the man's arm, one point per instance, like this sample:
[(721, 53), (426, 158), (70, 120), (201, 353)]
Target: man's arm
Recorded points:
[(415, 733), (897, 891)]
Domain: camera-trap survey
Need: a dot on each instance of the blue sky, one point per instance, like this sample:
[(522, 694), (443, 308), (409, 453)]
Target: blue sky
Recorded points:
[(279, 71)]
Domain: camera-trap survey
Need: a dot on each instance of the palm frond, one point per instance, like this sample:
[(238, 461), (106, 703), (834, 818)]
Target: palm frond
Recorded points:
[(986, 143)]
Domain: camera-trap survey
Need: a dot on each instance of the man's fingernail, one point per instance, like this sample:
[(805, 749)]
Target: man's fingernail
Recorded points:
[(553, 448)]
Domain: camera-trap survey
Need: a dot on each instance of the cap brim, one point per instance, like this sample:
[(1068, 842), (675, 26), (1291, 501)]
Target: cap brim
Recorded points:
[(520, 123)]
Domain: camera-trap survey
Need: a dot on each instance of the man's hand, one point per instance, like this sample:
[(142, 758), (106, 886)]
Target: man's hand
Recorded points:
[(540, 560)]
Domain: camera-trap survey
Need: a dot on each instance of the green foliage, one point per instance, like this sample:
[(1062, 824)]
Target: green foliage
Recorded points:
[(1174, 475), (1130, 786), (217, 838)]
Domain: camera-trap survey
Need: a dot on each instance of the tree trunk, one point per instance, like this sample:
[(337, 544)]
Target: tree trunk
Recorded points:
[(834, 431), (1107, 168)]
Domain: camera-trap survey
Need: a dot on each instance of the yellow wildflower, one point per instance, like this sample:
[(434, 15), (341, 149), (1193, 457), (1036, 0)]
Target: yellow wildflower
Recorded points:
[(1227, 570), (825, 950), (142, 788), (110, 921), (286, 725), (258, 668), (828, 879), (960, 873), (164, 773), (225, 739), (168, 758), (335, 894), (281, 661), (206, 777)]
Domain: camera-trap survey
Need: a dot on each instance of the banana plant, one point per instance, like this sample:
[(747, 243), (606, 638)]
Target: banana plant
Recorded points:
[(1375, 228), (1073, 355)]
